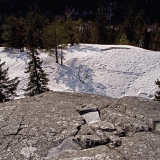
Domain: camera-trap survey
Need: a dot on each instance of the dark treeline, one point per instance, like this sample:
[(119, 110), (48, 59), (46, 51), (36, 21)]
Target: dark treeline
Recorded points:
[(39, 24), (134, 22), (118, 8)]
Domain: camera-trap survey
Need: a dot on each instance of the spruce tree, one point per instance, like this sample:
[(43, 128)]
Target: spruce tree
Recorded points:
[(122, 39), (73, 30), (157, 96), (7, 87), (101, 24), (155, 38), (140, 27), (89, 32), (51, 38), (128, 27), (38, 80), (55, 36), (35, 23), (14, 32)]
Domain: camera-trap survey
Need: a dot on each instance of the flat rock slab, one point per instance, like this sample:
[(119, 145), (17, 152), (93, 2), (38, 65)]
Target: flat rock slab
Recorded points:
[(91, 117)]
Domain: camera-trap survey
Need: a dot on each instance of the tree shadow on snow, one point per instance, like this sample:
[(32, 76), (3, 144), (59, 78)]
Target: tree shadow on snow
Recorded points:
[(79, 78)]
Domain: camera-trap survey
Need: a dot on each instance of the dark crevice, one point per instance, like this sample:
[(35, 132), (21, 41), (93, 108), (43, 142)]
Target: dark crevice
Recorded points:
[(78, 129), (81, 112), (15, 134), (99, 112)]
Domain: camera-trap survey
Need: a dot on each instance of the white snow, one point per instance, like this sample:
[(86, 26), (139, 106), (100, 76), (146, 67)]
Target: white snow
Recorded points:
[(110, 70)]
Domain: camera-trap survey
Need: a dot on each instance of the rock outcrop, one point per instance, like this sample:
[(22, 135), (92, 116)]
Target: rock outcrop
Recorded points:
[(58, 125)]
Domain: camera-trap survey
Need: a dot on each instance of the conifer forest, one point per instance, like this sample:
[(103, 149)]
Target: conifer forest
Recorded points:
[(133, 22)]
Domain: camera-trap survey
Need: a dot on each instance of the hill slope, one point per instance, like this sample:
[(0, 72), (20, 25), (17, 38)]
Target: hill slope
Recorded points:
[(109, 70)]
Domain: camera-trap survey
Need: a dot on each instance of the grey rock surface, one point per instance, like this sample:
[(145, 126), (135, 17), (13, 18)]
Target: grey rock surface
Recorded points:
[(69, 143), (58, 125), (141, 146)]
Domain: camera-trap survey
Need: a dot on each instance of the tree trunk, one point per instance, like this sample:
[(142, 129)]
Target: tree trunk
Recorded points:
[(56, 49), (61, 56), (35, 69)]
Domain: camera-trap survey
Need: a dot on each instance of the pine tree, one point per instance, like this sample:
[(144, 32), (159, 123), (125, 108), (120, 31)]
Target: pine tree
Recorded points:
[(55, 35), (140, 28), (7, 87), (51, 38), (122, 39), (38, 80), (89, 31), (101, 24), (155, 38), (35, 23), (14, 32), (128, 27), (157, 96), (1, 31), (73, 30)]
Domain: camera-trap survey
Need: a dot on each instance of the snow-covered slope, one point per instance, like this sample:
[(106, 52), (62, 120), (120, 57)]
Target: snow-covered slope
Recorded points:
[(110, 70)]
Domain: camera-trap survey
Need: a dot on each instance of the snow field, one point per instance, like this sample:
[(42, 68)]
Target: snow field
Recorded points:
[(110, 70)]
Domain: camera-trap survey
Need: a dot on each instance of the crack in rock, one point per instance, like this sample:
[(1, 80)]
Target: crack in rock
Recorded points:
[(59, 126), (14, 134)]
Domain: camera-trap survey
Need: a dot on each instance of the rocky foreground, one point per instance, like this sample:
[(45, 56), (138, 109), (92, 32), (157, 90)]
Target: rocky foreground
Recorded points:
[(56, 125)]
